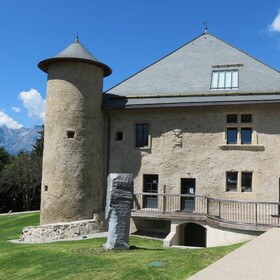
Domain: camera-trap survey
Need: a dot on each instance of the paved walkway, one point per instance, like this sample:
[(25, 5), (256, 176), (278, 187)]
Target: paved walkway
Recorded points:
[(258, 260)]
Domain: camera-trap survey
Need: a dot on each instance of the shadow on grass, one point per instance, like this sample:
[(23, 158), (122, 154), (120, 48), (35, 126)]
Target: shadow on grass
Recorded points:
[(146, 249)]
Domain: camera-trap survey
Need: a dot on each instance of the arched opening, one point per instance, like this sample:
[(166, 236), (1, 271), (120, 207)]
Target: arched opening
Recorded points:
[(195, 235)]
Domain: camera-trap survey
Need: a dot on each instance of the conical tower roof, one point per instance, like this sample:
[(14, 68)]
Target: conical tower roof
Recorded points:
[(75, 52)]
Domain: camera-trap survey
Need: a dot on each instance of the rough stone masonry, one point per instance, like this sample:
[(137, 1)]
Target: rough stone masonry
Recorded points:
[(118, 210)]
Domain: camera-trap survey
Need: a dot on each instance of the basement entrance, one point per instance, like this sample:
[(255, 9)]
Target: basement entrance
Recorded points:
[(195, 235)]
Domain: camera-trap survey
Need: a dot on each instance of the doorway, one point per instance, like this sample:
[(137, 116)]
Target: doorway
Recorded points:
[(195, 235), (150, 186), (188, 187)]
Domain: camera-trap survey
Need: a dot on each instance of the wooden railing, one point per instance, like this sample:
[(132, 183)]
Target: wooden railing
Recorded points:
[(229, 211)]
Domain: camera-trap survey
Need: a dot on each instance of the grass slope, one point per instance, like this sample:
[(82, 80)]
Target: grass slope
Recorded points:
[(87, 260)]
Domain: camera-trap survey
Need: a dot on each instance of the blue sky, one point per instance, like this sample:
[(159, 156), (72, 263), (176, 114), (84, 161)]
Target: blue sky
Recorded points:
[(127, 35)]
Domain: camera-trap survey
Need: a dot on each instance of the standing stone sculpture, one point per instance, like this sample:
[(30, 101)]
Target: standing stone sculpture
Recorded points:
[(118, 210)]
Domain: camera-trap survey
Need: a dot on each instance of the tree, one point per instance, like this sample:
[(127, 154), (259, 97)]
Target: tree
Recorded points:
[(38, 147), (5, 158), (20, 179)]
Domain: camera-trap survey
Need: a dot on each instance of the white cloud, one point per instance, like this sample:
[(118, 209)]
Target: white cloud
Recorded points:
[(9, 122), (16, 109), (34, 103), (275, 26)]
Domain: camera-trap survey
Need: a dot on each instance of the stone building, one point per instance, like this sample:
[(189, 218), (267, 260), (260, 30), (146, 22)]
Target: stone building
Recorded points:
[(199, 130)]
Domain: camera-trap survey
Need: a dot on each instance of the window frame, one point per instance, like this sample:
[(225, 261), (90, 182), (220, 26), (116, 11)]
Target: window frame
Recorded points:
[(239, 184), (231, 129), (243, 135), (230, 188), (150, 201), (241, 127), (118, 136), (146, 141), (220, 79), (245, 188)]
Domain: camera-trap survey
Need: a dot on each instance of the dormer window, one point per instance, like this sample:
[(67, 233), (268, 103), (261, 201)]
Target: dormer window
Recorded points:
[(224, 79)]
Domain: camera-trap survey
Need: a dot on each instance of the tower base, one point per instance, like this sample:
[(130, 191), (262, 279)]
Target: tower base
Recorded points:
[(62, 231)]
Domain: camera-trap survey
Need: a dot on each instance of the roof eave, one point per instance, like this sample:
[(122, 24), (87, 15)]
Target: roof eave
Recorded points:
[(44, 64)]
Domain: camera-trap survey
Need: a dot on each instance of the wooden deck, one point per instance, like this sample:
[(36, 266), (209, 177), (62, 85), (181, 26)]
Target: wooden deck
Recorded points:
[(248, 215)]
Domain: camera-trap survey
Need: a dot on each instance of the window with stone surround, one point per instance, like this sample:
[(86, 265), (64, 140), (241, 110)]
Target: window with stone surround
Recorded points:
[(239, 181), (239, 129)]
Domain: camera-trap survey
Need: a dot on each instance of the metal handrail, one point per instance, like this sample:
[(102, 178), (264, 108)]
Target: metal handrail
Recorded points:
[(256, 213), (207, 197)]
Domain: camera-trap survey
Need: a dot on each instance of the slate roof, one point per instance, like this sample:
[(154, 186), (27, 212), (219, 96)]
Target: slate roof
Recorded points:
[(183, 78), (76, 51)]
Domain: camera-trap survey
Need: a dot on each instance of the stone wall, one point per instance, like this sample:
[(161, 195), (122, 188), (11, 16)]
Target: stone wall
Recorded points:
[(191, 143), (60, 231)]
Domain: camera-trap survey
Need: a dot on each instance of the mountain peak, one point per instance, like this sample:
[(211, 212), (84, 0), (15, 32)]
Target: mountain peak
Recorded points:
[(21, 139)]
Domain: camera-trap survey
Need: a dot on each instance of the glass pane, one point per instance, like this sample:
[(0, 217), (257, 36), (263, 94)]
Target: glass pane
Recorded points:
[(232, 118), (118, 136), (150, 186), (139, 129), (231, 183), (232, 136), (142, 135), (228, 79), (246, 135), (214, 80), (246, 118), (221, 81), (145, 135), (150, 183), (234, 82), (246, 181)]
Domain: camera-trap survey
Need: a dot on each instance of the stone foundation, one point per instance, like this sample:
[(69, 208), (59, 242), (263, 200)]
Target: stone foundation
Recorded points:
[(61, 231)]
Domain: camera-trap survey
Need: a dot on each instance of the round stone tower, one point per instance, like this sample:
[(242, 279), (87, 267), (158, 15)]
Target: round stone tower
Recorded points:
[(73, 183)]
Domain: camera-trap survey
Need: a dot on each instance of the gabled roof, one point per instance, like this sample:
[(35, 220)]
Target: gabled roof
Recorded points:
[(184, 76), (76, 51)]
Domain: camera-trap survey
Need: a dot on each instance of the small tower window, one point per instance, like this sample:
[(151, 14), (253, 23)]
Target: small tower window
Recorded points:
[(46, 188), (118, 136), (70, 134)]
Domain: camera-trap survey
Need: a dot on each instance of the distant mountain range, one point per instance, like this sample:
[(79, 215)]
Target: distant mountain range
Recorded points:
[(16, 140)]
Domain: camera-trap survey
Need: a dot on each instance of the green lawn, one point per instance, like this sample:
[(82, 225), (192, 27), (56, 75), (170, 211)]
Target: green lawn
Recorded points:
[(87, 260)]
